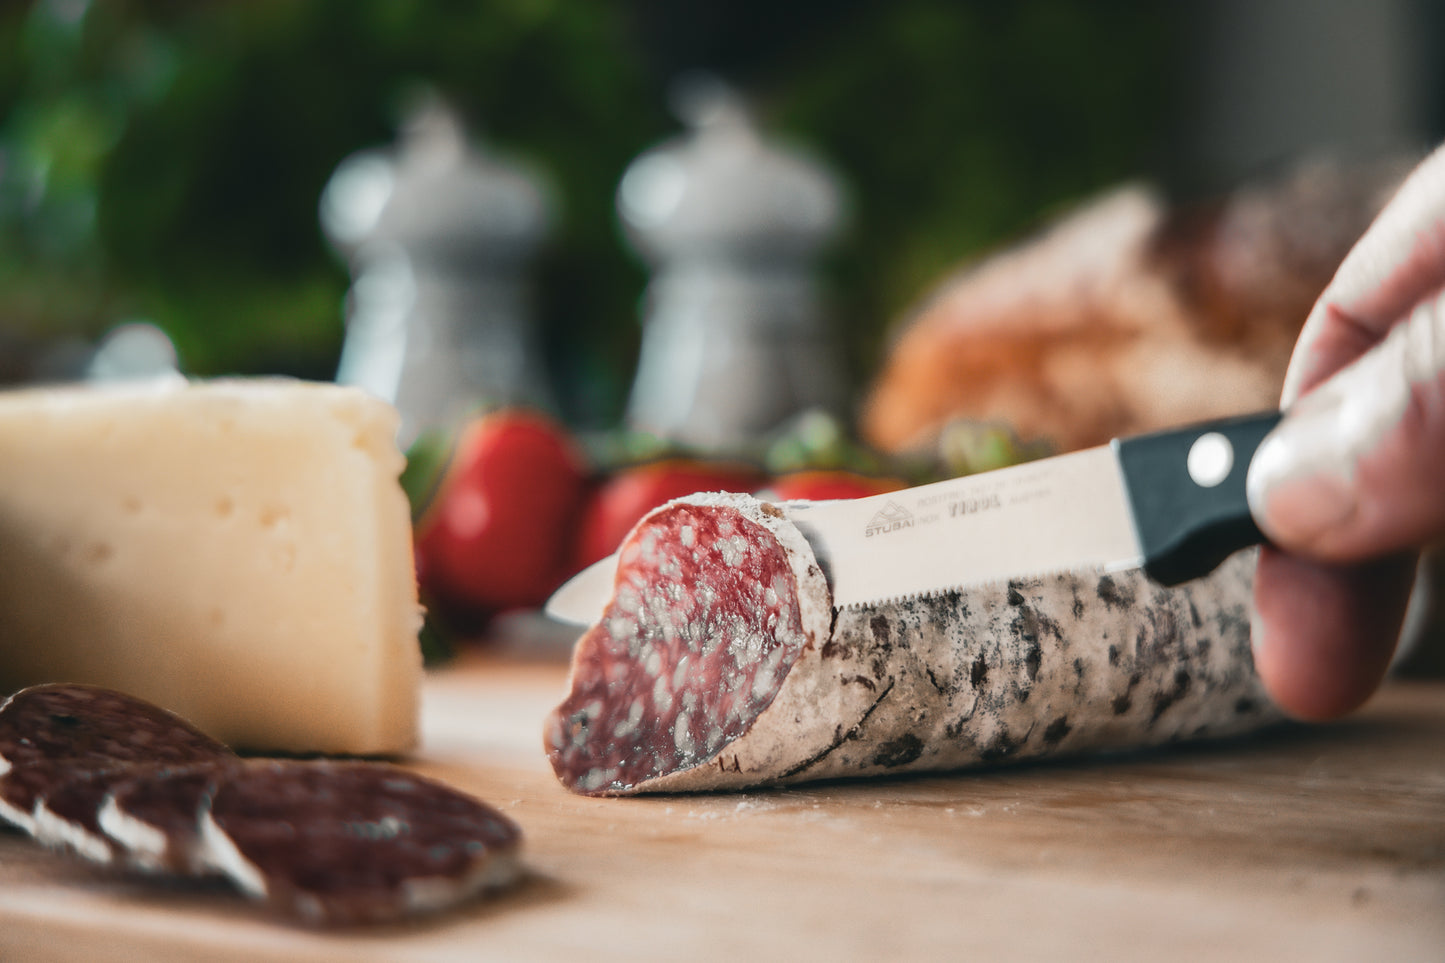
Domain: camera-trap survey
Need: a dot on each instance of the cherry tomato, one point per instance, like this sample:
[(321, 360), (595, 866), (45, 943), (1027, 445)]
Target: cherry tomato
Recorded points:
[(822, 484), (621, 499), (498, 532)]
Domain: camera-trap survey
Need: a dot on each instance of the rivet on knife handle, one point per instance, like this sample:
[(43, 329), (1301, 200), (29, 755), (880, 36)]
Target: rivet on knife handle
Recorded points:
[(1186, 489)]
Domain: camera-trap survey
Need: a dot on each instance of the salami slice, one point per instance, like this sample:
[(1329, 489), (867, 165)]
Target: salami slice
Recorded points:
[(720, 663), (340, 843), (50, 734)]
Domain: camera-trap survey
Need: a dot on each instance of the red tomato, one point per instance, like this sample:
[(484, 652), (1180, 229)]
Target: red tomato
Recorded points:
[(497, 534), (821, 484), (622, 499)]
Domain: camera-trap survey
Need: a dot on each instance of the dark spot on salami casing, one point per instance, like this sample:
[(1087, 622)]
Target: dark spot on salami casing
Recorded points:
[(1202, 646), (831, 650), (880, 628), (1079, 669), (1001, 748), (1122, 704), (899, 752), (1232, 625), (1014, 596), (1113, 654), (1194, 616), (1112, 594), (978, 672), (1078, 607), (1056, 731), (1246, 706), (1033, 659), (1164, 700), (934, 681), (862, 680)]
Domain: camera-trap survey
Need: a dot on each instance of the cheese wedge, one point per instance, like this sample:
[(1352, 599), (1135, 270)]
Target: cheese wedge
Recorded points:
[(236, 551)]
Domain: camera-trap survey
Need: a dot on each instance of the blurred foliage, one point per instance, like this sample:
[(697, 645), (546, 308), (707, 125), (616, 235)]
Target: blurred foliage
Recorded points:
[(163, 161)]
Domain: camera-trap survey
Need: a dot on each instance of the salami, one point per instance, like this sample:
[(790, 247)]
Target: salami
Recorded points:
[(118, 781), (50, 734), (720, 663), (342, 843)]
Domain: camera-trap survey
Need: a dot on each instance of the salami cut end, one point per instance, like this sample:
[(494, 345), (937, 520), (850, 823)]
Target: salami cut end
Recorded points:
[(347, 843), (705, 623)]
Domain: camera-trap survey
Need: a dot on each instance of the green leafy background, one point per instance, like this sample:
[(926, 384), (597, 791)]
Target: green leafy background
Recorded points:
[(163, 161)]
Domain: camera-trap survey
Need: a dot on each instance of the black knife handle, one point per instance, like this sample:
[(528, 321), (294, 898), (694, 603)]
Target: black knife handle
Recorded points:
[(1186, 489)]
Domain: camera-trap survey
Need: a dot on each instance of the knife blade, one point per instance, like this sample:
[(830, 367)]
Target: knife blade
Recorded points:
[(1172, 502)]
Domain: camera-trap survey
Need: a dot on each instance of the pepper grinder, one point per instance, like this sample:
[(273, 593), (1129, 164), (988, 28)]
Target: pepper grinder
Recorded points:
[(734, 341), (438, 234)]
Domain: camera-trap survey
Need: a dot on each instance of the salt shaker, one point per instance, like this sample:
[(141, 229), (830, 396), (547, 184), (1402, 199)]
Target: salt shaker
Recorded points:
[(438, 234), (734, 340)]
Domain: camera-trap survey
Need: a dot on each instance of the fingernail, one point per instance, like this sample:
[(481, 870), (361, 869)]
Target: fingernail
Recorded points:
[(1297, 484)]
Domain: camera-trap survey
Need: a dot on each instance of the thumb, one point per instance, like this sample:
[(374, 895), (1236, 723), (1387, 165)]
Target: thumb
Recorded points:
[(1356, 468)]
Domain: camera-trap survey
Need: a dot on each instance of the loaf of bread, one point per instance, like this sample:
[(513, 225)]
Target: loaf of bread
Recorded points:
[(1128, 315)]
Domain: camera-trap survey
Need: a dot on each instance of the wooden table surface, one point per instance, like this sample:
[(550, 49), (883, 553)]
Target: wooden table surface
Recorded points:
[(1324, 843)]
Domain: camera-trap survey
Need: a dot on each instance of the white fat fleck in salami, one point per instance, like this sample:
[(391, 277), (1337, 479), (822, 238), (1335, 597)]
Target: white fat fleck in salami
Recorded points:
[(778, 688), (50, 734), (341, 843)]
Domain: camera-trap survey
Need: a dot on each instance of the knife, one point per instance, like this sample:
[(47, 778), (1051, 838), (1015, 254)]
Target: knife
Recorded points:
[(1172, 502)]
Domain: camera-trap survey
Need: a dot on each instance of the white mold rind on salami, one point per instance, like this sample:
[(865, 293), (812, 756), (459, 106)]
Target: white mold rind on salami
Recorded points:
[(148, 846), (67, 817), (151, 816), (1038, 667), (1051, 666), (78, 836)]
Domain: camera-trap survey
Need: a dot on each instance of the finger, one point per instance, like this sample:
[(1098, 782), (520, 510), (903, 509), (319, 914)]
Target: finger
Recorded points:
[(1323, 635), (1356, 468), (1398, 262)]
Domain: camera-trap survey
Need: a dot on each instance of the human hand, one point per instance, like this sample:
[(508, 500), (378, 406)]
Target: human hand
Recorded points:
[(1351, 485)]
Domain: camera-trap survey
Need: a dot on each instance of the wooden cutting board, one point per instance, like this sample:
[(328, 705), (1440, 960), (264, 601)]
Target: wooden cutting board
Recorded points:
[(1320, 843)]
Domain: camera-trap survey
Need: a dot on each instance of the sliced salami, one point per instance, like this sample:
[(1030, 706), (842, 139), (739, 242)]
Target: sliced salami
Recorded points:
[(341, 843), (720, 663), (51, 734)]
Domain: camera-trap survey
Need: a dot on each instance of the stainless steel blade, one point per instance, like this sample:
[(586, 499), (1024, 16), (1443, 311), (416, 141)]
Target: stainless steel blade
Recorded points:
[(1059, 513), (582, 598)]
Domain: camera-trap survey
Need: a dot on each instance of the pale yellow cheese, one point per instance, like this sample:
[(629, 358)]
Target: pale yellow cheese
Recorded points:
[(237, 551)]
